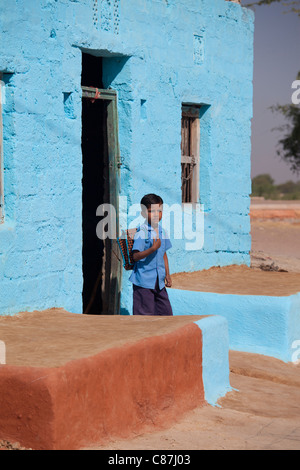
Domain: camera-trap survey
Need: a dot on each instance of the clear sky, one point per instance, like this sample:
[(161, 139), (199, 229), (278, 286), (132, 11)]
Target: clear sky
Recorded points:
[(276, 65)]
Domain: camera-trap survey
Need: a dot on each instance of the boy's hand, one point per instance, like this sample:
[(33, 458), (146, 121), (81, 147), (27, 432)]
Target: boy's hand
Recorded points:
[(156, 244), (139, 255), (168, 281)]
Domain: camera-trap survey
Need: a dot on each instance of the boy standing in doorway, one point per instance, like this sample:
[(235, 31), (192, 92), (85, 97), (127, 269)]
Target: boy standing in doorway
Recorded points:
[(151, 269)]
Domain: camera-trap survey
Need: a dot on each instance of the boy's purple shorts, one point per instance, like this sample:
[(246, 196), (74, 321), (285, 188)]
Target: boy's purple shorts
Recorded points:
[(151, 301)]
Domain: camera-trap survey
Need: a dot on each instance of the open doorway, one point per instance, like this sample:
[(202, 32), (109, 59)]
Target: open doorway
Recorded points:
[(100, 155), (94, 193)]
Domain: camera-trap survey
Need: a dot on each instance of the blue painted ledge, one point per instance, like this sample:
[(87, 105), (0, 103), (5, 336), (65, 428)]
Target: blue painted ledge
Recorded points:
[(215, 357), (258, 324)]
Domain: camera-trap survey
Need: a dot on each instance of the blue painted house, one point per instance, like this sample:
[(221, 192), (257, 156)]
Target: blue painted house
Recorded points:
[(103, 101)]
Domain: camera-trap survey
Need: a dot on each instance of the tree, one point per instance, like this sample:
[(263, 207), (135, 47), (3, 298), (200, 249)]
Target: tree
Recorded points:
[(289, 146), (289, 190), (263, 186)]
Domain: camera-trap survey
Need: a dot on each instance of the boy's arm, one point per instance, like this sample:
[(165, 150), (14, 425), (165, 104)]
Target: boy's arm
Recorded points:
[(138, 255), (168, 277)]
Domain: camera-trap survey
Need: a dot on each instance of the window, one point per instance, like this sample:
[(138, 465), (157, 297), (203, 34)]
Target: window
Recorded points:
[(1, 150), (190, 153)]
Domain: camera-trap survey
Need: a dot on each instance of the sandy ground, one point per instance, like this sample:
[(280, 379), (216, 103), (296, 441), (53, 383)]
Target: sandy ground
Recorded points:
[(263, 409), (276, 237), (276, 242)]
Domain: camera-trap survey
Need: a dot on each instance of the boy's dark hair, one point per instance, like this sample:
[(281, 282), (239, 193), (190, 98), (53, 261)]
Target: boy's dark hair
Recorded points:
[(150, 199)]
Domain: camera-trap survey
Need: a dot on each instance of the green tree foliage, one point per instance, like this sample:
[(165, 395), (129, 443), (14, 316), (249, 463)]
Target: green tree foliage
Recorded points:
[(289, 190), (289, 145), (263, 186)]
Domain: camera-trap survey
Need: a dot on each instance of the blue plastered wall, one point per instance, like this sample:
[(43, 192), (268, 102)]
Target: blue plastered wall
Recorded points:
[(157, 54)]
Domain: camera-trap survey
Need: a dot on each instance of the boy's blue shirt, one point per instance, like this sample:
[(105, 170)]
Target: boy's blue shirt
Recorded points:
[(146, 270)]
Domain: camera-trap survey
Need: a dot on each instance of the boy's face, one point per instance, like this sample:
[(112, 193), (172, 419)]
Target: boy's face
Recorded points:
[(154, 214)]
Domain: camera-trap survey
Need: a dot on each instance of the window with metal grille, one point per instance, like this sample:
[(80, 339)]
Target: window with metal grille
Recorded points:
[(1, 151), (190, 153)]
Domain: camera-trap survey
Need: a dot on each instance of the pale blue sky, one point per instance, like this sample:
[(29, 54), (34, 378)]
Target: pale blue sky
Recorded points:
[(276, 64)]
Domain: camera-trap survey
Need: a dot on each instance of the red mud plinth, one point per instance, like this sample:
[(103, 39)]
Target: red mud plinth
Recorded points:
[(125, 387)]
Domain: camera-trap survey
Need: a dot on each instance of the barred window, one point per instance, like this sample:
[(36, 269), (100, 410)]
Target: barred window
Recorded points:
[(190, 153)]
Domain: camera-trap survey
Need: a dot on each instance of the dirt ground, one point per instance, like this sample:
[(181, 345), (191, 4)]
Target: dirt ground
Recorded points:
[(278, 242), (263, 409)]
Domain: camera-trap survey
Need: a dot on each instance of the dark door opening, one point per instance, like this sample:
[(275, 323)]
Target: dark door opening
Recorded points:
[(95, 189), (102, 269), (92, 71)]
